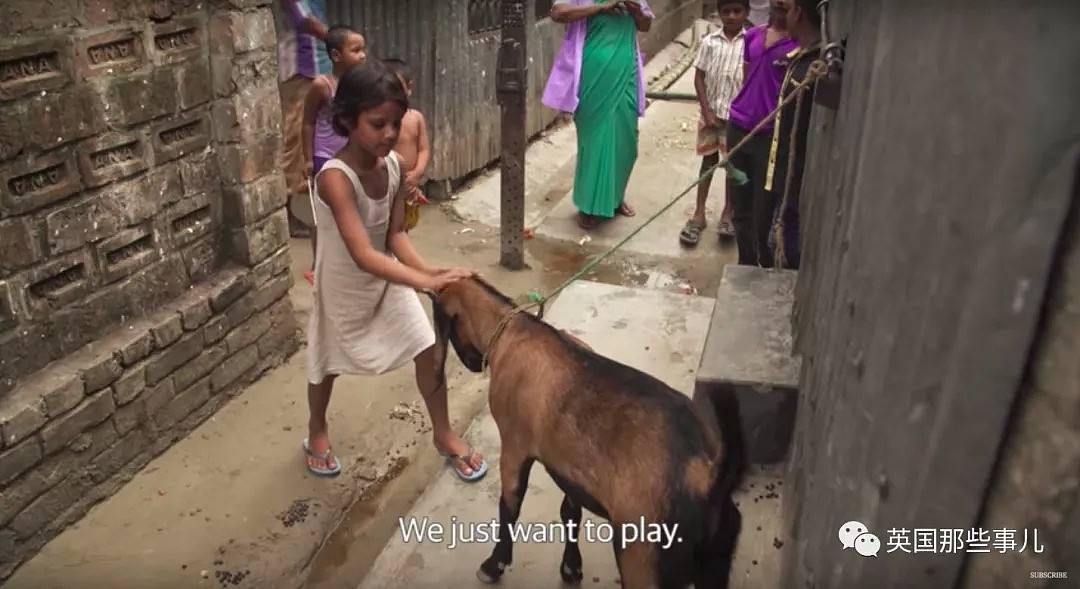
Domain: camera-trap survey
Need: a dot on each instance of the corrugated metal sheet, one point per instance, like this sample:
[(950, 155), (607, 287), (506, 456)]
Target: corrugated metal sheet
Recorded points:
[(455, 73)]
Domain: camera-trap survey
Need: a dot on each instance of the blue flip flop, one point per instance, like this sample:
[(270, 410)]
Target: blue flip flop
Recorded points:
[(326, 457), (477, 473)]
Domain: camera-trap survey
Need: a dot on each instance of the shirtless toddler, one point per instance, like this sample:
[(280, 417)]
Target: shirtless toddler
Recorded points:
[(412, 145)]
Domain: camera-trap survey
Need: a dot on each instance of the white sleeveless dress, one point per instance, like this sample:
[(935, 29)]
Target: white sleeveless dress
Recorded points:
[(360, 323)]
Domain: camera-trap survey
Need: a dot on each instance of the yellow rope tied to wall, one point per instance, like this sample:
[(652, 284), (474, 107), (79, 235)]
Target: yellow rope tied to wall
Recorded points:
[(817, 69)]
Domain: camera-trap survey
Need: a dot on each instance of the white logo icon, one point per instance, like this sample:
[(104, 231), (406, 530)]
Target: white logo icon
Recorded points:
[(855, 535), (867, 545), (850, 531)]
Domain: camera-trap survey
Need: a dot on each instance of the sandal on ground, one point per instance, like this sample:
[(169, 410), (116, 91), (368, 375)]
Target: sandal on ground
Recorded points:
[(586, 221), (625, 210), (325, 457), (477, 473), (726, 230), (691, 232)]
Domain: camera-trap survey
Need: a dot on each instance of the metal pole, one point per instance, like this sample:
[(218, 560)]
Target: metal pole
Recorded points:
[(511, 83)]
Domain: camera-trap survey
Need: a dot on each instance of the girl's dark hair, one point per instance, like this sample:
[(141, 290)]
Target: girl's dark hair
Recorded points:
[(364, 86)]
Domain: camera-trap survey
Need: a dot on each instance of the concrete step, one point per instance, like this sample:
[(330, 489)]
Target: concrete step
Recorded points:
[(658, 332), (747, 368)]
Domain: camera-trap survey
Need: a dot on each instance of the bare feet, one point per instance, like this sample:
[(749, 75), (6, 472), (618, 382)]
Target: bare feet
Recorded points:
[(625, 210)]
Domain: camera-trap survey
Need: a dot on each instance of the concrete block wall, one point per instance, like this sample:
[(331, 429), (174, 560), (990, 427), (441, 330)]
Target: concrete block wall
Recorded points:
[(144, 268), (672, 18)]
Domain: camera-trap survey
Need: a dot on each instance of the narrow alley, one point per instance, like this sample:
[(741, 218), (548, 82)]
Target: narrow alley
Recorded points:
[(897, 407), (253, 513)]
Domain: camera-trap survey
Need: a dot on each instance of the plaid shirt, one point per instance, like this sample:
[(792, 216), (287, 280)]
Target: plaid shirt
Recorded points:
[(722, 61)]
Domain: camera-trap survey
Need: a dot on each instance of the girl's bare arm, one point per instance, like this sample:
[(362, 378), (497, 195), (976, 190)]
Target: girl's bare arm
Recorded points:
[(336, 190), (423, 149)]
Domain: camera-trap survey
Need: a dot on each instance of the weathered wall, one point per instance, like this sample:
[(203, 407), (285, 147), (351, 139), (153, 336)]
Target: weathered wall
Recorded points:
[(1038, 480), (672, 18), (455, 68), (933, 203), (143, 261)]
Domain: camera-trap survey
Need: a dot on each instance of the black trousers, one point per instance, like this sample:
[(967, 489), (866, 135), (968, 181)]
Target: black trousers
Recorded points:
[(752, 207)]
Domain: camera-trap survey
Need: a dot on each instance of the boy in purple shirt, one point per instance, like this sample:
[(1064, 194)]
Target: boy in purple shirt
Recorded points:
[(765, 54)]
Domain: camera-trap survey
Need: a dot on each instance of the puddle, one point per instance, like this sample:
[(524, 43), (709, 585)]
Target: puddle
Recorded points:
[(562, 262), (656, 279), (353, 546)]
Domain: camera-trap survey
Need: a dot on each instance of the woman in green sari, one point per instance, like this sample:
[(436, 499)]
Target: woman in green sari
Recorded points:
[(598, 77)]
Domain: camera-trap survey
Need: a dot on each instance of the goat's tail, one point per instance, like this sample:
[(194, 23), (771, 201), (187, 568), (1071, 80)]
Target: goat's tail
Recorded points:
[(723, 521), (722, 525)]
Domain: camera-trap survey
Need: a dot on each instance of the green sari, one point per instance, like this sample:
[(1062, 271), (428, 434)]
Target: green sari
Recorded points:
[(607, 115)]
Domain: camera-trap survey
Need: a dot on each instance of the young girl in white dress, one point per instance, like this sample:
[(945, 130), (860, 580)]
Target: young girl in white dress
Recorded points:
[(367, 318)]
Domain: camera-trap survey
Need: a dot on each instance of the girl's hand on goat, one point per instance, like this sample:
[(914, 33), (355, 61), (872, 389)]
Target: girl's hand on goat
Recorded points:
[(468, 273), (444, 279)]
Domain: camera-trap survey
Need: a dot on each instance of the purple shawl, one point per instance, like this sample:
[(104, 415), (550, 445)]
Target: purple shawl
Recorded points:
[(561, 90)]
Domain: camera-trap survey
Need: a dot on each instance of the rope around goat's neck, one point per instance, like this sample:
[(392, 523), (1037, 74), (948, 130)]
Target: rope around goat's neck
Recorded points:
[(499, 329)]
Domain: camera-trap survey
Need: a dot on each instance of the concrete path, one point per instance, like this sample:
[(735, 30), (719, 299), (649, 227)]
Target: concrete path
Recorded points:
[(234, 497), (657, 332), (666, 166)]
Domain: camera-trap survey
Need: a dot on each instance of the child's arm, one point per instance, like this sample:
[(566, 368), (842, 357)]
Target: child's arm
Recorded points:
[(316, 98), (336, 190), (701, 63), (397, 240), (423, 151), (703, 99), (302, 19)]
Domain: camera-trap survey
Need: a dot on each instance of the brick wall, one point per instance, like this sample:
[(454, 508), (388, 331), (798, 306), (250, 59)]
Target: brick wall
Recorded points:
[(143, 261)]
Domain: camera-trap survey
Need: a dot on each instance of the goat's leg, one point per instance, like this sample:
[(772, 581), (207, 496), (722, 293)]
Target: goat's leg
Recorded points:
[(514, 472), (637, 565), (570, 569)]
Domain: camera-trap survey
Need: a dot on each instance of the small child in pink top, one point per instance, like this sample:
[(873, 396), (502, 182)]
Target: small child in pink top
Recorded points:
[(346, 48)]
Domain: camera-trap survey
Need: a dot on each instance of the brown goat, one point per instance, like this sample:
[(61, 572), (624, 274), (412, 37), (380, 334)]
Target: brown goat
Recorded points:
[(618, 442)]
